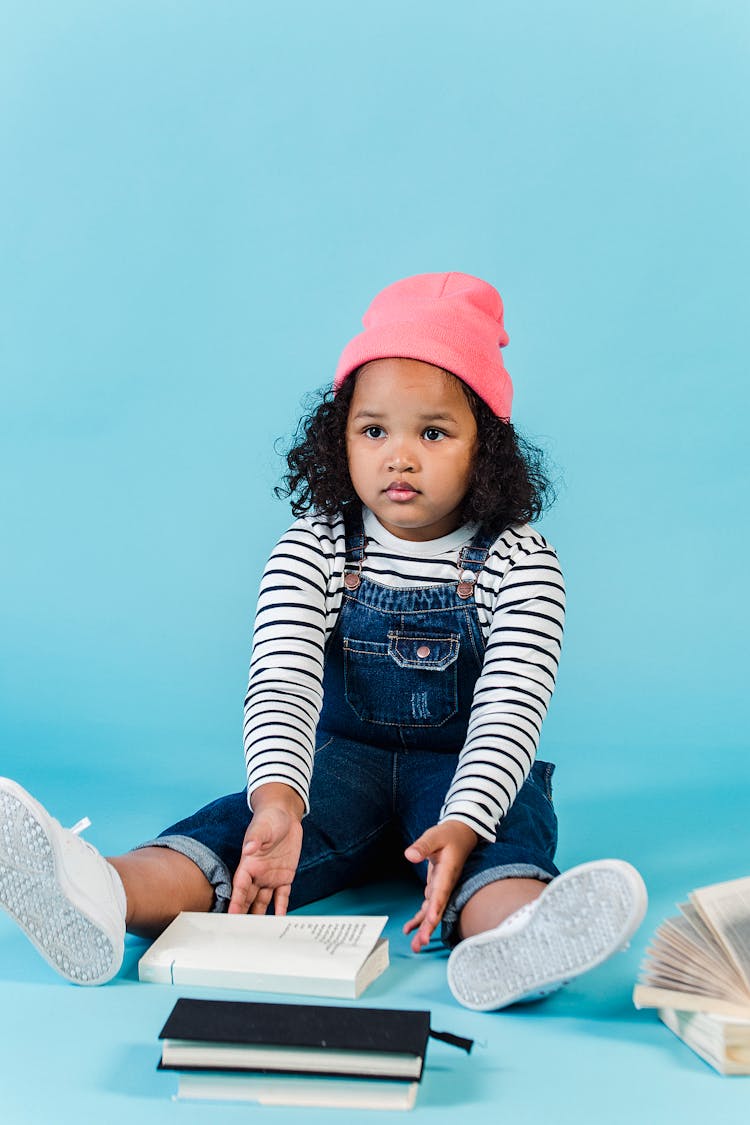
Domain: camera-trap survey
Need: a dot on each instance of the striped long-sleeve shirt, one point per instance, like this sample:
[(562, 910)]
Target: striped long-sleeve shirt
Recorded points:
[(520, 598)]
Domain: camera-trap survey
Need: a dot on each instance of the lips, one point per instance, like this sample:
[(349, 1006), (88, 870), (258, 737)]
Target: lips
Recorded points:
[(400, 490)]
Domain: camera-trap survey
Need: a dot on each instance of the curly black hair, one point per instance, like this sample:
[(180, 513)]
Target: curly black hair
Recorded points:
[(509, 483)]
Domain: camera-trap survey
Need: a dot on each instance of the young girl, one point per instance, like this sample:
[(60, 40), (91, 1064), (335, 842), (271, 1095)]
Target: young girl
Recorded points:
[(405, 650)]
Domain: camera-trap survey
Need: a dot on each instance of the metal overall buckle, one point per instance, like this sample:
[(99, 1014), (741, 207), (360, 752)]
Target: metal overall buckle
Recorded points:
[(467, 578)]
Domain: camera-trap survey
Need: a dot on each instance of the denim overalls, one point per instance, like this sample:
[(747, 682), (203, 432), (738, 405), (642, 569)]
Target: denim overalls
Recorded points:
[(400, 670)]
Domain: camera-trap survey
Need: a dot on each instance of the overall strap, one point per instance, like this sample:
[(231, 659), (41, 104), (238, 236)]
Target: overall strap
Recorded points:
[(356, 541), (471, 560)]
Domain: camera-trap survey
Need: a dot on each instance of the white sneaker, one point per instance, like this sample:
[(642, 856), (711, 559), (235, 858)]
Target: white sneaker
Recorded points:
[(60, 890), (580, 919)]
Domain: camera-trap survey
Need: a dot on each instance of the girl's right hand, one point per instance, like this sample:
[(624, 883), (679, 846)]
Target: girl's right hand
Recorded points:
[(270, 854)]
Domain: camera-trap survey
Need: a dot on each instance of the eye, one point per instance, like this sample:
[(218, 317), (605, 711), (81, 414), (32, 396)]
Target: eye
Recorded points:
[(433, 434), (373, 432)]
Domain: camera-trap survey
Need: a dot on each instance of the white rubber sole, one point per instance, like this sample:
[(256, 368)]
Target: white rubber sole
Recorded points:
[(36, 893), (582, 918)]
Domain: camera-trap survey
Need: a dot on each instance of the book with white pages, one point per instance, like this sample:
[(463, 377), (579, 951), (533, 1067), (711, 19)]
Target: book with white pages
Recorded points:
[(721, 1041), (292, 1090), (302, 954), (297, 1038), (699, 960), (298, 1053)]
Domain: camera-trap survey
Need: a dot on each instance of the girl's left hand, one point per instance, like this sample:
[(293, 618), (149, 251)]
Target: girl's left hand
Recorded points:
[(446, 848)]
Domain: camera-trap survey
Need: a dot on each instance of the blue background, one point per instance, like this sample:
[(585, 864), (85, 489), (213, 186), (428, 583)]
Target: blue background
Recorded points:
[(198, 202)]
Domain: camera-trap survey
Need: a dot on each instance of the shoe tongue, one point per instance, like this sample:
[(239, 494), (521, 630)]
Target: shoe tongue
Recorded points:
[(81, 825)]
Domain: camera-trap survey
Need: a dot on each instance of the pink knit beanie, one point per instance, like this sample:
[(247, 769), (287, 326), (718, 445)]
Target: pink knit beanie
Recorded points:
[(451, 320)]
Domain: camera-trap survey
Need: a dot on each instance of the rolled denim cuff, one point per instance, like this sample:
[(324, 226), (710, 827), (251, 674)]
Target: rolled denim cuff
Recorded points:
[(449, 929), (217, 873)]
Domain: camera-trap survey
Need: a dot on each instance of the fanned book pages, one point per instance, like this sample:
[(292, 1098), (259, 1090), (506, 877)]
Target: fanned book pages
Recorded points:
[(697, 975), (699, 961), (307, 955)]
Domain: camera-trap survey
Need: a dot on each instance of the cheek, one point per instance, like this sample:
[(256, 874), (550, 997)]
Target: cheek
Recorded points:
[(355, 462), (471, 456), (466, 470)]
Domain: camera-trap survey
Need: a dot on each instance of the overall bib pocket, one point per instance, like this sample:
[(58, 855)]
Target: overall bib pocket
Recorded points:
[(409, 681)]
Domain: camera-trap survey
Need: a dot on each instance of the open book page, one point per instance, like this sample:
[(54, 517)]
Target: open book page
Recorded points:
[(678, 937), (655, 996), (689, 964), (689, 960), (664, 977), (696, 947), (725, 908), (330, 946), (703, 932)]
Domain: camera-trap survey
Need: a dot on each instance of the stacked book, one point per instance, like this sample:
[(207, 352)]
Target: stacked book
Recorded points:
[(697, 975), (297, 1054)]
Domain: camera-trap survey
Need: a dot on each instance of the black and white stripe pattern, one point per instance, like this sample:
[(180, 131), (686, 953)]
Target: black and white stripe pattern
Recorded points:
[(520, 599)]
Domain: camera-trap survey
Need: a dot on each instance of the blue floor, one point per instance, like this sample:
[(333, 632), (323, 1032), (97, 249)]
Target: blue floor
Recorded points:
[(80, 1055)]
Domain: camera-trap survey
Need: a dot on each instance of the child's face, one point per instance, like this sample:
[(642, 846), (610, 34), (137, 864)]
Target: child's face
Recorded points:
[(410, 441)]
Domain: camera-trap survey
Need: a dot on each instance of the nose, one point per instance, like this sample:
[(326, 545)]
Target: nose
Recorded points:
[(402, 452), (401, 460)]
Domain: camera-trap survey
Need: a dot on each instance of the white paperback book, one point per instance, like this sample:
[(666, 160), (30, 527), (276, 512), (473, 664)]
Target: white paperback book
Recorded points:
[(290, 1090), (308, 955)]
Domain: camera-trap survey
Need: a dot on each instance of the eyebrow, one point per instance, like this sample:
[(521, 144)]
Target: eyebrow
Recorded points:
[(439, 416)]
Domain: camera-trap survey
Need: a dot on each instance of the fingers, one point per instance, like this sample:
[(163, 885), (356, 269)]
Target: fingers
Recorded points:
[(445, 862), (427, 926), (245, 888), (266, 830), (262, 900), (437, 895), (256, 900), (244, 892), (427, 918), (248, 897), (424, 926), (281, 900), (414, 922), (424, 846), (259, 835), (268, 862)]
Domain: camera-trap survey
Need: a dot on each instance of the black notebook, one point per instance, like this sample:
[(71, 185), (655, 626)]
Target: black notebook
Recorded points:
[(244, 1035)]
